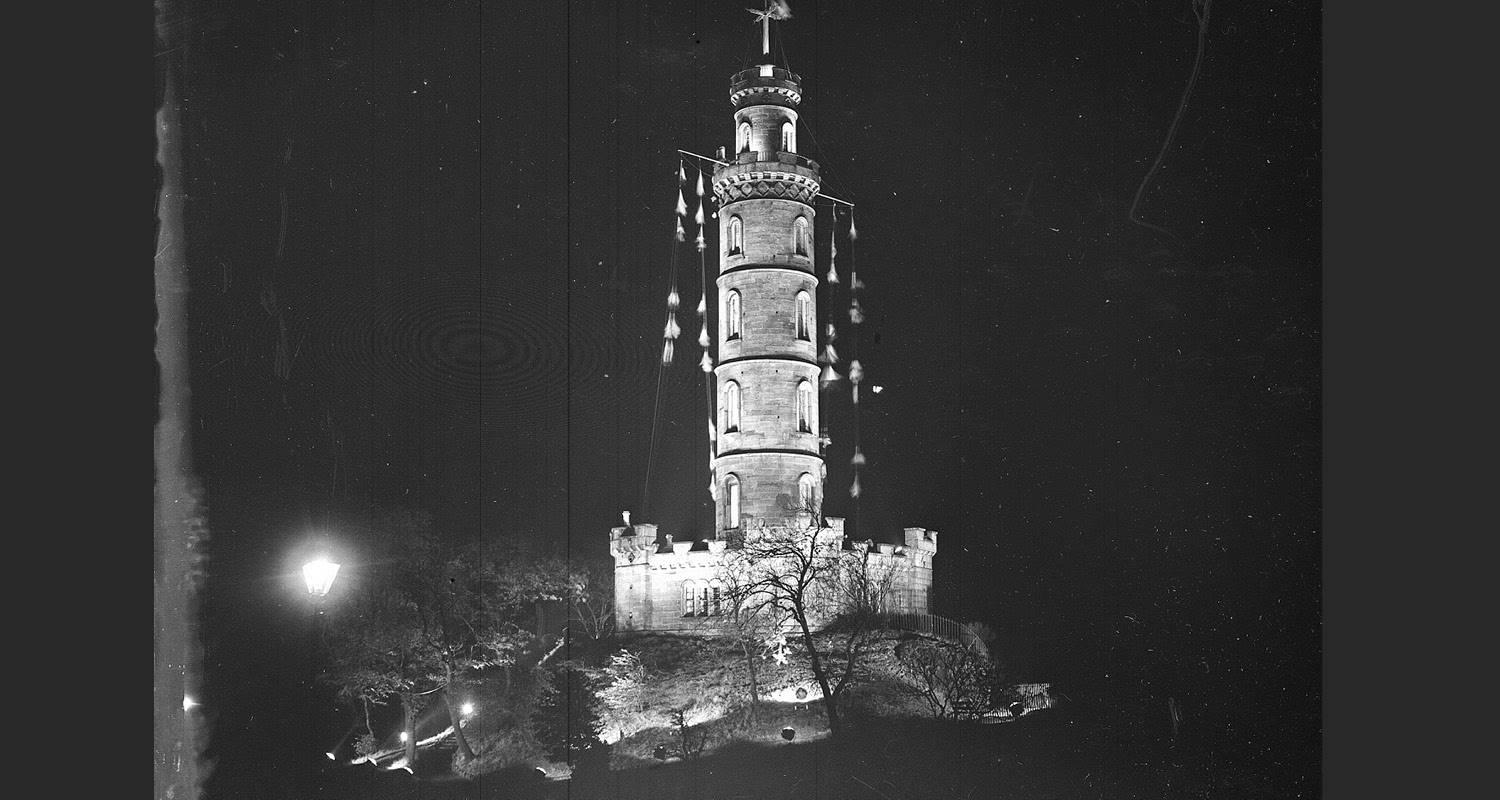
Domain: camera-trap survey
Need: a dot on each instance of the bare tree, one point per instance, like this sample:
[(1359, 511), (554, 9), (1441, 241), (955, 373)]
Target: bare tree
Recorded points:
[(951, 678), (593, 607), (799, 576)]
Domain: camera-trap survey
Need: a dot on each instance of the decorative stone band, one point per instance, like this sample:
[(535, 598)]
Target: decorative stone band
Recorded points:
[(776, 357), (733, 186), (785, 94), (759, 450)]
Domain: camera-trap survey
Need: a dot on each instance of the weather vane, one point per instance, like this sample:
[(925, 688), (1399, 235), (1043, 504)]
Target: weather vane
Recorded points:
[(775, 9)]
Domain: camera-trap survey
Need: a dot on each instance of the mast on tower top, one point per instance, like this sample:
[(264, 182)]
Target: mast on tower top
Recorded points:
[(775, 9)]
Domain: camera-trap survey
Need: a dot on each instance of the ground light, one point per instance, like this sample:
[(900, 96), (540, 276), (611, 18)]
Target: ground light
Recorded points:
[(466, 709)]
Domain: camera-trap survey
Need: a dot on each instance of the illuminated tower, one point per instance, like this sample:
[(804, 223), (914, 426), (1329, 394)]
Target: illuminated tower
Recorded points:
[(768, 463)]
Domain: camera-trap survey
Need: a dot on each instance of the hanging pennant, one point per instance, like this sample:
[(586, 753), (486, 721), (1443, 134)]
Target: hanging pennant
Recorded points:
[(829, 355), (680, 233), (852, 233), (854, 487), (699, 219), (713, 431), (703, 337), (833, 251), (681, 176), (672, 300), (681, 205), (707, 363), (699, 187), (702, 305), (666, 353), (672, 330), (829, 374), (856, 312), (859, 458)]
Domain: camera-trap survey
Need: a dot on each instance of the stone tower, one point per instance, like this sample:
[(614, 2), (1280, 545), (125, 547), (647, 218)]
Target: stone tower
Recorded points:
[(768, 463), (768, 467)]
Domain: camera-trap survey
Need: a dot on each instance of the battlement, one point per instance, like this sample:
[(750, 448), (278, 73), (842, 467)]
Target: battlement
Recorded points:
[(922, 539)]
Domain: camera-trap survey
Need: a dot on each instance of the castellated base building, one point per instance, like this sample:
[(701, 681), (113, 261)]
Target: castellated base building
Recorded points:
[(768, 468)]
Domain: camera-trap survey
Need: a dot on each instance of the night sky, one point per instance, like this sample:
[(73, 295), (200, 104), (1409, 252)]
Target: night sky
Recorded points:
[(429, 248)]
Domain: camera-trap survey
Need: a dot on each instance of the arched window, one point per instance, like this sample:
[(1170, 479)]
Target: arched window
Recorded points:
[(799, 236), (788, 137), (805, 407), (806, 491), (716, 598), (732, 489), (689, 594), (742, 140), (804, 316), (731, 407), (732, 315), (736, 236)]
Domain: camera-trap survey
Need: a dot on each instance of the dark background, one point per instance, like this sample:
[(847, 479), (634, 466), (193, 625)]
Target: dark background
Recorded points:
[(429, 249)]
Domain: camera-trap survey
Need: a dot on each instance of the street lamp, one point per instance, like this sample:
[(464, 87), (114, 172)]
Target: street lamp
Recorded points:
[(319, 574)]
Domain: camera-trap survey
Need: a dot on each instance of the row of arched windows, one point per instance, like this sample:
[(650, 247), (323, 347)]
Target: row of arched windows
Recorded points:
[(807, 495), (734, 315), (804, 406), (801, 242), (702, 598), (788, 137)]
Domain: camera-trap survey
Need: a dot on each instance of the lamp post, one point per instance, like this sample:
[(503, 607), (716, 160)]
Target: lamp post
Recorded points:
[(318, 575)]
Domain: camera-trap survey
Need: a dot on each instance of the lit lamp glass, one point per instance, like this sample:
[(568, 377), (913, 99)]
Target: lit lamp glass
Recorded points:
[(319, 575)]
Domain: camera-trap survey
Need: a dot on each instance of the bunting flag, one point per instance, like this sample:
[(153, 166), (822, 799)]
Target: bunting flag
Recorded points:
[(681, 205), (833, 250), (681, 175), (713, 431), (698, 218), (856, 374), (854, 487), (681, 234), (702, 307), (859, 458), (856, 311), (666, 353), (672, 300), (671, 331), (707, 363)]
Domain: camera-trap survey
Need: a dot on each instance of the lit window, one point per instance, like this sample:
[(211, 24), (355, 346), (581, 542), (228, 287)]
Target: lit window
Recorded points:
[(804, 316), (732, 488), (806, 490), (688, 593), (731, 407), (799, 236), (742, 141), (805, 407), (736, 236), (732, 315), (788, 137)]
